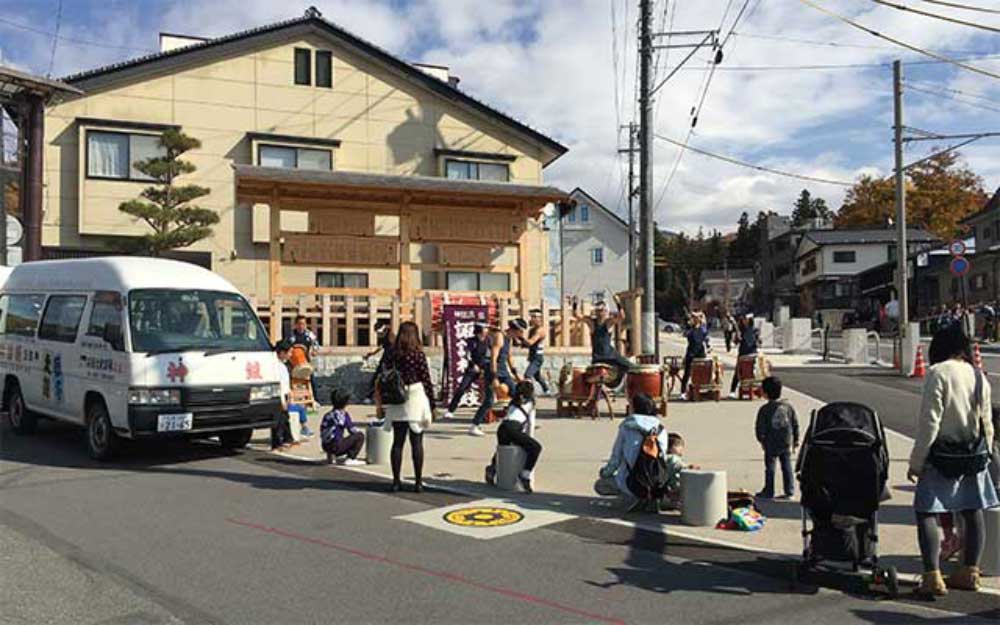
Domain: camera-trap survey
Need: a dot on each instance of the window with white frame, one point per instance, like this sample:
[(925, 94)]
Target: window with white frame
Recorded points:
[(476, 170), (291, 157), (597, 256), (341, 280), (584, 213), (113, 154), (477, 281), (596, 296), (571, 216)]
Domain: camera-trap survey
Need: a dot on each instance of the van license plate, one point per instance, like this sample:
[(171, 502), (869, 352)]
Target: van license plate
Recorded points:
[(174, 422)]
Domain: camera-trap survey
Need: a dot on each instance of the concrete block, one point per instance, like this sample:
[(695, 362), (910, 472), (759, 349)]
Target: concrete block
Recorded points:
[(703, 494), (797, 336), (856, 346), (991, 555), (908, 353), (378, 444), (510, 462), (766, 334), (781, 315)]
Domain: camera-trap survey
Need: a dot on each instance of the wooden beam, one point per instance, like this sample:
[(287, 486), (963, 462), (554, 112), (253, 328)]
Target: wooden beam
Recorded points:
[(522, 266), (274, 264), (490, 268), (405, 284), (340, 291), (325, 301), (350, 322)]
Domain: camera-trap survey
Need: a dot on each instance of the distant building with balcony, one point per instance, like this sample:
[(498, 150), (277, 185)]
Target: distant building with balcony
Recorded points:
[(774, 276)]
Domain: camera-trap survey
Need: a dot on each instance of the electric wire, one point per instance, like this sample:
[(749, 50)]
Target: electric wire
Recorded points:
[(937, 16), (967, 7), (834, 44), (898, 42), (83, 42), (55, 39), (954, 98)]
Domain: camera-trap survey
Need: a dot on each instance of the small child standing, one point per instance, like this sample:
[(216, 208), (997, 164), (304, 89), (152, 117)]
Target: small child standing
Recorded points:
[(675, 464), (518, 428), (778, 433), (340, 438)]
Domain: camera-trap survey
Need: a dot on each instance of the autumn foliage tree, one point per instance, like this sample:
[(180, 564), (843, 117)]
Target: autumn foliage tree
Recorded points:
[(165, 206), (940, 192)]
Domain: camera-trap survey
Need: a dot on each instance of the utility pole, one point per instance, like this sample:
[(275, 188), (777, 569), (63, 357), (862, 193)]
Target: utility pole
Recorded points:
[(650, 331), (901, 254), (3, 193), (631, 150)]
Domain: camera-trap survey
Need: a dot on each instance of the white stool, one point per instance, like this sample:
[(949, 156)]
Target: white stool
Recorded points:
[(378, 445), (991, 555), (510, 462), (703, 496)]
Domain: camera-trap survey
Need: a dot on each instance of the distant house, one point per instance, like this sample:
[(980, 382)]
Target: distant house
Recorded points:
[(726, 288), (589, 251), (774, 278), (828, 263)]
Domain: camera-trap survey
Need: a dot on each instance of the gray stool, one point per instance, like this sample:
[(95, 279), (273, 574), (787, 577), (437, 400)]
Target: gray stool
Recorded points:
[(510, 462), (991, 555), (378, 445), (704, 497)]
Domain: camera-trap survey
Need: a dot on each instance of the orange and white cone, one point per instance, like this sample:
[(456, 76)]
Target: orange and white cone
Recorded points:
[(977, 358), (919, 368)]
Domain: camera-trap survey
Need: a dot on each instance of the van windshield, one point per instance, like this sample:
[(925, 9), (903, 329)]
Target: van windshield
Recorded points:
[(168, 320)]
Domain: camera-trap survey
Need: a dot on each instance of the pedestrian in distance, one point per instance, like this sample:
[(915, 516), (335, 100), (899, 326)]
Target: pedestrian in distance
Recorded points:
[(950, 460), (538, 335), (281, 433), (500, 370), (518, 428), (415, 414), (777, 430), (728, 330), (477, 354), (340, 438)]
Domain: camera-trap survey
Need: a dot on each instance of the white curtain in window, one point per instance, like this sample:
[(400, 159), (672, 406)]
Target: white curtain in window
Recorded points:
[(462, 281), (457, 170), (314, 159), (493, 171), (494, 282), (143, 147), (273, 156), (107, 154)]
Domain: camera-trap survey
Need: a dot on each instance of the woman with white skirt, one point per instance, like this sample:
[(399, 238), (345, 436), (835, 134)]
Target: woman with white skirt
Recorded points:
[(413, 416)]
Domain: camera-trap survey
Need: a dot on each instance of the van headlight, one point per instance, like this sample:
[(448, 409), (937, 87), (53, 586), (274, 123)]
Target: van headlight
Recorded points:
[(154, 396), (264, 392)]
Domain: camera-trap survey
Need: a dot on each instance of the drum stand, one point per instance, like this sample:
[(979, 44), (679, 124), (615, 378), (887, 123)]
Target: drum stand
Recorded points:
[(673, 365)]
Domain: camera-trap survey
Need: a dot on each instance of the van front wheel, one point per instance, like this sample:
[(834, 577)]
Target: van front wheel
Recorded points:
[(21, 420), (235, 439), (102, 442)]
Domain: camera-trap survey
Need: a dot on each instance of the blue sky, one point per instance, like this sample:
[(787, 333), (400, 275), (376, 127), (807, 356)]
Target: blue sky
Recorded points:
[(566, 67)]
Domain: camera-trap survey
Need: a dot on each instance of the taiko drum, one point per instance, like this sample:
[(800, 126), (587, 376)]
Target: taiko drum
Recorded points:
[(298, 360), (646, 379), (578, 384)]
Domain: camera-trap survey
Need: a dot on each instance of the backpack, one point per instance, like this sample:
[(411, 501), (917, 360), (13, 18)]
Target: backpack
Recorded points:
[(647, 478), (391, 388)]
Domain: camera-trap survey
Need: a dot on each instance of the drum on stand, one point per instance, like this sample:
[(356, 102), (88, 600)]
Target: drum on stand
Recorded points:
[(646, 379)]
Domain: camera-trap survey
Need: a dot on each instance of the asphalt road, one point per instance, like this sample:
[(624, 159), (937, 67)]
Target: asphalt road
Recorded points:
[(183, 533)]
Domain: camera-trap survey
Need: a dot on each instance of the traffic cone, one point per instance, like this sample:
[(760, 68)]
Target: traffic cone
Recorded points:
[(919, 368), (977, 358)]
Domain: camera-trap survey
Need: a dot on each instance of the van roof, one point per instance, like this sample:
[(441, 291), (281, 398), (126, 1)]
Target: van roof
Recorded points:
[(113, 273)]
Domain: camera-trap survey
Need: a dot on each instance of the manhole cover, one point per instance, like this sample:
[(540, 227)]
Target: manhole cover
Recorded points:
[(483, 517)]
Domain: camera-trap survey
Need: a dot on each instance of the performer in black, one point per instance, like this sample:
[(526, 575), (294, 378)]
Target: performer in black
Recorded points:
[(477, 352), (600, 326)]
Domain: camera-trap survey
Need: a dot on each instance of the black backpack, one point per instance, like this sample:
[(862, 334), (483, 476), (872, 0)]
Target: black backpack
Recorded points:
[(391, 388), (647, 478)]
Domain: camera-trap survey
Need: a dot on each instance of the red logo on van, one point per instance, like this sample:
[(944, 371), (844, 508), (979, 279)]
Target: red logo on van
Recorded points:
[(253, 371), (177, 371)]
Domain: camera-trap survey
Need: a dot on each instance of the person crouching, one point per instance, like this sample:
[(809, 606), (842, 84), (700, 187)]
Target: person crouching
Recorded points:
[(340, 438), (518, 428)]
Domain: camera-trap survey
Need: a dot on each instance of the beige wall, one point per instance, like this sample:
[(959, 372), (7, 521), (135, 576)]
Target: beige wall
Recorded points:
[(384, 123)]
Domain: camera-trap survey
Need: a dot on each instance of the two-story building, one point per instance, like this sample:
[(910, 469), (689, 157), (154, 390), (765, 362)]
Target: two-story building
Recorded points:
[(829, 261), (337, 169), (774, 275), (589, 247)]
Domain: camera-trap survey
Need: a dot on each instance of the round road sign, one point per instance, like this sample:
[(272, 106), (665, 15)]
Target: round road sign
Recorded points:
[(957, 247), (960, 266), (486, 516)]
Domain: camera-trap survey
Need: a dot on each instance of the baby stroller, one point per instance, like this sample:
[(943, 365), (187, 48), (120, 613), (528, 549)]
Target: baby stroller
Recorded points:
[(843, 469)]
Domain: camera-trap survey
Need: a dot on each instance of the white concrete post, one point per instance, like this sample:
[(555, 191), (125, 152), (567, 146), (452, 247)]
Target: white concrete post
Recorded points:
[(797, 336), (856, 346), (909, 349)]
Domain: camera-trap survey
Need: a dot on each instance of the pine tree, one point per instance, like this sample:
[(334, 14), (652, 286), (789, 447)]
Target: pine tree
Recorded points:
[(165, 207), (808, 208)]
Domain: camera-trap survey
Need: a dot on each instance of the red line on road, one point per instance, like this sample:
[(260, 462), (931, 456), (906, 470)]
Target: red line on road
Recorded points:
[(452, 577)]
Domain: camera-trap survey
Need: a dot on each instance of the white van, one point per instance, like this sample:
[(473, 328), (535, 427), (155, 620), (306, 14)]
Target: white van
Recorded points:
[(134, 347)]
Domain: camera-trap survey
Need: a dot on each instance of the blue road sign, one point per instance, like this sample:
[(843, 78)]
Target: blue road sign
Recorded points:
[(960, 266)]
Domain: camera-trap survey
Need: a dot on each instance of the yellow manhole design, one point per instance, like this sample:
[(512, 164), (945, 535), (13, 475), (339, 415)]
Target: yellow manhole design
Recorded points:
[(483, 517)]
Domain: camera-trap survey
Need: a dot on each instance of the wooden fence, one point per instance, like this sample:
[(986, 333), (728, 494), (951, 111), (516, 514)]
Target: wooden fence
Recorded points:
[(347, 321)]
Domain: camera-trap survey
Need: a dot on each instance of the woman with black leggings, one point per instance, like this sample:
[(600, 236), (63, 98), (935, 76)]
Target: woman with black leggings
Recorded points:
[(412, 417), (955, 409)]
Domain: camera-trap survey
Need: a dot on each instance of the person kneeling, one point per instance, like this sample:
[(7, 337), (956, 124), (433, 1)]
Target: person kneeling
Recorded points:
[(341, 439), (638, 469), (518, 428)]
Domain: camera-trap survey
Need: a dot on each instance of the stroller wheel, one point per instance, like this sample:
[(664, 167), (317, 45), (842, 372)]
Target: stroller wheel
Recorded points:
[(798, 574), (892, 581)]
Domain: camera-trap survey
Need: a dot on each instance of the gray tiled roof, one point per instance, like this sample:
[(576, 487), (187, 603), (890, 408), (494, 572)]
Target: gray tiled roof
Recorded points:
[(870, 235), (392, 181)]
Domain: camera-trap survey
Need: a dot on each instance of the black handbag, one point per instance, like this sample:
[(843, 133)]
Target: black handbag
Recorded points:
[(954, 460), (391, 388)]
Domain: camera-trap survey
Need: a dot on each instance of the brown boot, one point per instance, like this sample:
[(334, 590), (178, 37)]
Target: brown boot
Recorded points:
[(932, 585), (965, 578)]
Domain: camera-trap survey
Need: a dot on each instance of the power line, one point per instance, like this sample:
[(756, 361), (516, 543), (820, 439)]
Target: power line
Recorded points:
[(954, 98), (770, 170), (960, 92), (834, 44), (833, 66), (55, 38), (84, 42), (902, 44), (937, 16), (967, 7)]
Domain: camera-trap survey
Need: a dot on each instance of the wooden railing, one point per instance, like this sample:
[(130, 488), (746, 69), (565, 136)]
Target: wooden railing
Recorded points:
[(347, 318)]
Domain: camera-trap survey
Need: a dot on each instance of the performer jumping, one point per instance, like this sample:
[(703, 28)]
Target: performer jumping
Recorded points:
[(500, 369)]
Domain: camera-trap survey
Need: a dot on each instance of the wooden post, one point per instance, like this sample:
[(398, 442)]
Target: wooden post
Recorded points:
[(405, 284), (372, 320), (522, 263), (349, 324), (565, 314), (395, 315), (274, 264), (635, 341), (545, 323), (327, 320), (584, 334), (502, 311)]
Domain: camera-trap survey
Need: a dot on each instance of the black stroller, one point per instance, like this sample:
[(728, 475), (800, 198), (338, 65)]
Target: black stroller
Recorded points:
[(843, 469)]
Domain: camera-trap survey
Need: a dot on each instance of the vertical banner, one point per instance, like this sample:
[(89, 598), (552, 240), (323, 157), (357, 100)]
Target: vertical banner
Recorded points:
[(459, 321)]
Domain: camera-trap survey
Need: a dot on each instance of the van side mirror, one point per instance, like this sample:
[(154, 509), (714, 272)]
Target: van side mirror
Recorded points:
[(113, 336)]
